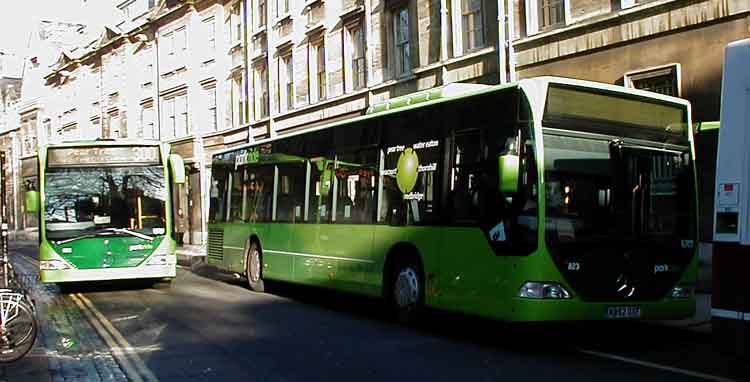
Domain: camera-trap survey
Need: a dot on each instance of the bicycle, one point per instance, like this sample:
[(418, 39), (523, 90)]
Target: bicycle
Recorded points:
[(18, 324)]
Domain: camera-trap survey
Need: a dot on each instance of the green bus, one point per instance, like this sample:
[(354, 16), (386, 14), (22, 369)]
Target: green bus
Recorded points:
[(543, 200), (105, 210)]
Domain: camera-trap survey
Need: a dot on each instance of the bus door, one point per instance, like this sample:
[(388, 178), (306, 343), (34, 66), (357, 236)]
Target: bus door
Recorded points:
[(346, 241)]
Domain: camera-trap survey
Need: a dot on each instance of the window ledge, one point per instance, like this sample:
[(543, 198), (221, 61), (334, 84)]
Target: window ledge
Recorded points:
[(260, 31), (230, 129), (309, 4), (236, 45), (174, 140), (259, 121), (258, 56), (282, 19), (352, 12), (284, 44), (322, 103), (587, 24), (317, 27)]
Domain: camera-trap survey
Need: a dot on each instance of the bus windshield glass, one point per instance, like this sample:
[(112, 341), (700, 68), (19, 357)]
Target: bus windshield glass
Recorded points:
[(85, 200), (598, 190)]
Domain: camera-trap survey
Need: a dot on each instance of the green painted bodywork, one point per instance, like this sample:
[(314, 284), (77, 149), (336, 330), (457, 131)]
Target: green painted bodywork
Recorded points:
[(105, 252), (462, 273)]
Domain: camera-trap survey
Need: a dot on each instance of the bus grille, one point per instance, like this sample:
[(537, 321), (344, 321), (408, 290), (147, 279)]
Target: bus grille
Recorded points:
[(215, 244)]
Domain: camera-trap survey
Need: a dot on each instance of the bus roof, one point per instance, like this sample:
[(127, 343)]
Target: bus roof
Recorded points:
[(457, 91)]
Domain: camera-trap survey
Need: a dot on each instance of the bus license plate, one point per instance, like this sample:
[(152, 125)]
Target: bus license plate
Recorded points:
[(624, 312)]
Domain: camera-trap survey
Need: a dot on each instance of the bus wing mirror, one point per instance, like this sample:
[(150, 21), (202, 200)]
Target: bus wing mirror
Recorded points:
[(178, 168), (32, 201), (508, 170)]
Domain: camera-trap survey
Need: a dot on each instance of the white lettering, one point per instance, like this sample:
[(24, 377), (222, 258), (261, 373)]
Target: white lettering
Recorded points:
[(395, 149), (390, 172), (426, 168), (240, 160), (414, 196)]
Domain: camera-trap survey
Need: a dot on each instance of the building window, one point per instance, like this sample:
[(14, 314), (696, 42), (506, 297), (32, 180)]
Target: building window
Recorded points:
[(147, 122), (261, 91), (169, 119), (210, 26), (401, 29), (96, 127), (113, 120), (282, 7), (182, 125), (286, 83), (551, 13), (47, 125), (260, 14), (358, 67), (180, 40), (472, 24), (169, 51), (237, 100), (664, 80), (211, 106), (317, 69), (148, 67), (235, 24)]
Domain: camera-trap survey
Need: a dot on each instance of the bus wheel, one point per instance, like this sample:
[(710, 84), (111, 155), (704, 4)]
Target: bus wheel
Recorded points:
[(407, 290), (253, 267)]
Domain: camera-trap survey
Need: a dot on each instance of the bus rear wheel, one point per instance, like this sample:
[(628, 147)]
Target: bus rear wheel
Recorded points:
[(407, 290), (254, 267)]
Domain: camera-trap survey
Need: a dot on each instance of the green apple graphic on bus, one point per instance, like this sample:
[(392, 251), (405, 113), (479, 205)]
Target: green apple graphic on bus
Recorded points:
[(408, 166)]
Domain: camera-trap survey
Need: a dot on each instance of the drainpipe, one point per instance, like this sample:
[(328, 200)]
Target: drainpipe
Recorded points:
[(157, 77), (501, 42), (444, 40), (511, 52)]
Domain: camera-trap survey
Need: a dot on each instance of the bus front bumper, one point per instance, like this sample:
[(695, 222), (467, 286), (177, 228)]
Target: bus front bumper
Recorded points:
[(529, 310), (140, 272)]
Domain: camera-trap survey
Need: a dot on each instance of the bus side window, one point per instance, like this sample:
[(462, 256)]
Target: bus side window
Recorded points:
[(465, 179), (291, 197), (321, 181), (356, 182)]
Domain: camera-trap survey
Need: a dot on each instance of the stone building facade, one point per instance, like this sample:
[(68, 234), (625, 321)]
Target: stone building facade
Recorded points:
[(206, 75)]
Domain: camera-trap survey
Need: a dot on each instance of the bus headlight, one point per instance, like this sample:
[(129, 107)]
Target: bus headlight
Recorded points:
[(161, 259), (53, 265), (682, 292), (543, 290)]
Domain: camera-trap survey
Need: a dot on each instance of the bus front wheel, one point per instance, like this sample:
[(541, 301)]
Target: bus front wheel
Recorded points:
[(407, 290), (254, 267)]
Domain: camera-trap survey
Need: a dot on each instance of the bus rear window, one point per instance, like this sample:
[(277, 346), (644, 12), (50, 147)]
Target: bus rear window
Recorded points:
[(576, 108)]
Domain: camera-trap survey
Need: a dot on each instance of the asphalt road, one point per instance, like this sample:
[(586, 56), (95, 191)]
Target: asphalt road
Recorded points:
[(210, 327)]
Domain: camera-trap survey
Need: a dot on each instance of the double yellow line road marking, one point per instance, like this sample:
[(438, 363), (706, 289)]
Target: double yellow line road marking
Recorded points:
[(132, 364), (125, 354)]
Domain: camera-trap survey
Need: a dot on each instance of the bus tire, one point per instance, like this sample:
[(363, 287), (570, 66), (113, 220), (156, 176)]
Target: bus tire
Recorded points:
[(254, 266), (406, 289)]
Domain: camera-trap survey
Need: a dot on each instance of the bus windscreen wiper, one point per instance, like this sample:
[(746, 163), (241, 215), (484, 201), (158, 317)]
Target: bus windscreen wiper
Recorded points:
[(107, 231), (131, 233)]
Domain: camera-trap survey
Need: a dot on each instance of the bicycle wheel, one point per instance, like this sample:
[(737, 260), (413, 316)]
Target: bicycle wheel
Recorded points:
[(20, 334)]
